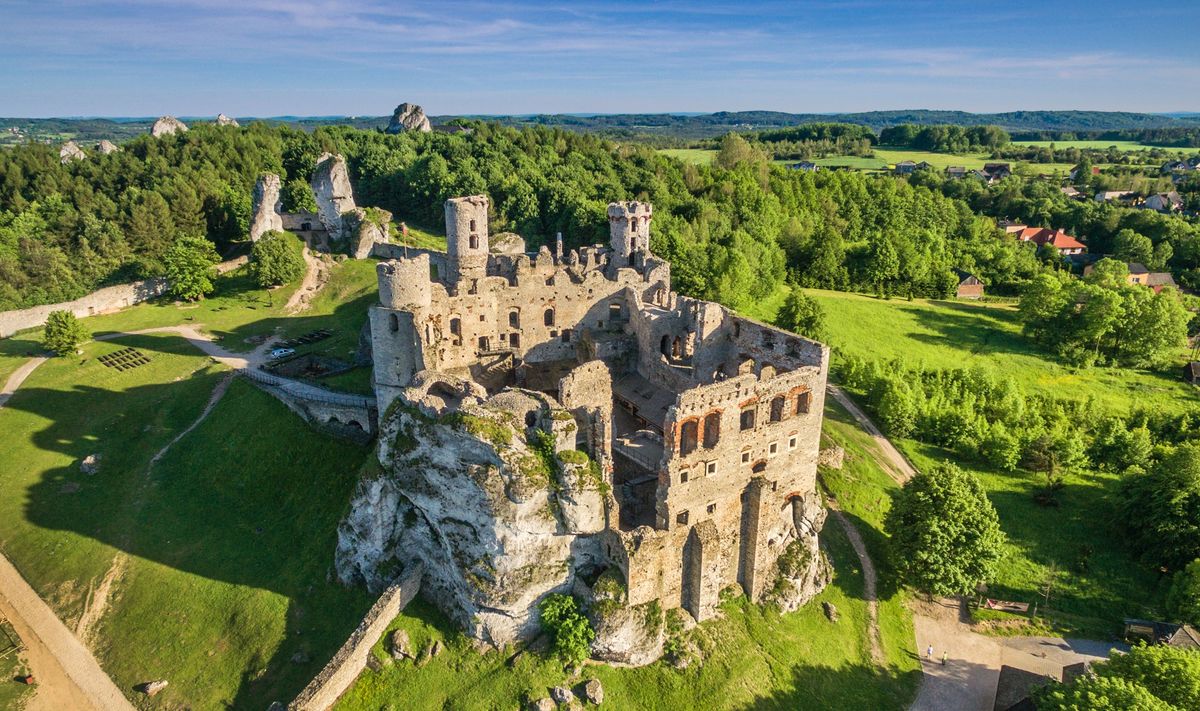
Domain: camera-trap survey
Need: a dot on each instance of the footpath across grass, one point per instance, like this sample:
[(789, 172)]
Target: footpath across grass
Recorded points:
[(754, 659)]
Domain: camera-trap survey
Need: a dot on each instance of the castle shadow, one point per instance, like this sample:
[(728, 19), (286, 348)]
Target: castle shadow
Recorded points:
[(855, 686)]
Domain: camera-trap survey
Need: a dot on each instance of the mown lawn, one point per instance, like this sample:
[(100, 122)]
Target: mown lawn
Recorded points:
[(754, 659), (1095, 579)]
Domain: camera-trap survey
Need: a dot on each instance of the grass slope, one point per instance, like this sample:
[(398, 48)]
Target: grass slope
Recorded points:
[(1045, 544)]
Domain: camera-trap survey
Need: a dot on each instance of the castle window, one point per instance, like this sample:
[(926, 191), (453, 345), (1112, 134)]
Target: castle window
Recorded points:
[(566, 335), (803, 402), (472, 225), (482, 318), (759, 467), (688, 432), (777, 409), (394, 323), (711, 468), (514, 340), (745, 457), (676, 350), (474, 241), (548, 317), (712, 508), (514, 319), (614, 312), (550, 280), (773, 449), (455, 327), (792, 442), (633, 224), (682, 518), (665, 346), (747, 419), (712, 429), (683, 476), (553, 333), (483, 343)]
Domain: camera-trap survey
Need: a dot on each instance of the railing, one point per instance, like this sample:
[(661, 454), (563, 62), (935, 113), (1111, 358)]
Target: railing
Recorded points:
[(305, 391)]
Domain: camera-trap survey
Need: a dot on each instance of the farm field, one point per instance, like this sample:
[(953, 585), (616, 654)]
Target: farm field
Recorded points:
[(1122, 145), (884, 158), (699, 156), (1096, 581)]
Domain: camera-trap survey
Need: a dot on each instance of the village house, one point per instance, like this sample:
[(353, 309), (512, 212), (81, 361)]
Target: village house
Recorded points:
[(969, 285), (993, 172), (1139, 274), (904, 167), (1072, 192), (1042, 236), (956, 171), (1164, 202), (1122, 196), (805, 165)]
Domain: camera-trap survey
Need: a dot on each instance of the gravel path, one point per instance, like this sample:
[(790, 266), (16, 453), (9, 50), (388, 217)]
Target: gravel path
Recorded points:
[(895, 464)]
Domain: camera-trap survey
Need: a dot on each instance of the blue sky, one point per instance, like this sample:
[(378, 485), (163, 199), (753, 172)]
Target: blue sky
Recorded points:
[(320, 57)]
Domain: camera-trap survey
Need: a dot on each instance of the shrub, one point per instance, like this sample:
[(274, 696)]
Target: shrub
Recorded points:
[(63, 333), (569, 628)]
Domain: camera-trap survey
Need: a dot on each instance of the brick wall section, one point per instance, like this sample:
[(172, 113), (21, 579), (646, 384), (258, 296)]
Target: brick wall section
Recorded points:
[(106, 300), (341, 671)]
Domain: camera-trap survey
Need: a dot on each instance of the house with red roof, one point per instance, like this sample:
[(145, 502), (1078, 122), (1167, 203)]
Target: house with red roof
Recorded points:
[(1059, 239)]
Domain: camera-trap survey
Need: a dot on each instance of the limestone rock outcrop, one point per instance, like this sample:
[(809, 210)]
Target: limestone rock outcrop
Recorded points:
[(335, 197), (265, 216), (106, 146), (476, 498), (506, 243), (364, 227), (223, 120), (70, 151), (167, 126), (409, 117), (803, 569)]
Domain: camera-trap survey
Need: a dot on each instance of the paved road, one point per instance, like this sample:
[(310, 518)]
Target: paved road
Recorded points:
[(67, 674), (968, 680)]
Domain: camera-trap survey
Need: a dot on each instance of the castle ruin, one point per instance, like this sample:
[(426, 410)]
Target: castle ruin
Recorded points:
[(701, 428)]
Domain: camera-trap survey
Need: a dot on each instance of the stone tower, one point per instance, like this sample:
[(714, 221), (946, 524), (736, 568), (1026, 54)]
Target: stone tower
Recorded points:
[(629, 228), (404, 303), (466, 240)]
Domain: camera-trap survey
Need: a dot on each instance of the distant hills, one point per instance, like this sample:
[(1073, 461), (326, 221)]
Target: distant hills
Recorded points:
[(674, 125)]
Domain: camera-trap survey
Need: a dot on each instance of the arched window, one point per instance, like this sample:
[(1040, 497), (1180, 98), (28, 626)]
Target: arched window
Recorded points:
[(472, 225), (514, 319), (688, 433), (474, 241), (712, 429), (759, 466), (395, 323), (548, 317), (665, 346), (777, 409)]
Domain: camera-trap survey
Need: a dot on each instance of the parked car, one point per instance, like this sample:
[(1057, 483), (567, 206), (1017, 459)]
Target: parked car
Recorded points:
[(282, 353)]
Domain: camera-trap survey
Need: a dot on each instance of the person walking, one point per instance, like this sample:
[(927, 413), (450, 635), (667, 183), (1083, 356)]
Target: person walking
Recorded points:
[(929, 653), (943, 657)]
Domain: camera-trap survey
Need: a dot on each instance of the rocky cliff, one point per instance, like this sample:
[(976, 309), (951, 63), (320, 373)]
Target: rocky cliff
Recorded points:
[(488, 499), (106, 146), (409, 117), (265, 215), (70, 151), (223, 120), (167, 126), (363, 228), (335, 197)]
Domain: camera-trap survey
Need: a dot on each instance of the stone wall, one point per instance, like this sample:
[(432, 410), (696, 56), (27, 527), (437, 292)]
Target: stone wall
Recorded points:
[(101, 301), (341, 671), (351, 417)]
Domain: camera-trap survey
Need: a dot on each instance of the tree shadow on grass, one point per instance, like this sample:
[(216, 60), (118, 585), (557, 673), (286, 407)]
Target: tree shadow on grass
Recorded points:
[(972, 329), (856, 686), (251, 498)]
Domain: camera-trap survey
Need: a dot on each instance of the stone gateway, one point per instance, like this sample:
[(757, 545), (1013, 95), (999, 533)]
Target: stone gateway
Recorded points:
[(567, 423)]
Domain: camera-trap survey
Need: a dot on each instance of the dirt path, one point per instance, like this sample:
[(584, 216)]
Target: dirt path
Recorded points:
[(67, 675), (97, 602), (895, 464), (18, 377), (870, 582), (315, 277)]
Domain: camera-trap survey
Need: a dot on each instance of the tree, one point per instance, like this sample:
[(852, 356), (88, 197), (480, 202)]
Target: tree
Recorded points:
[(736, 150), (297, 196), (945, 535), (275, 259), (1160, 509), (572, 632), (883, 265), (63, 333), (1129, 246), (1183, 599), (802, 314), (1148, 678), (188, 266)]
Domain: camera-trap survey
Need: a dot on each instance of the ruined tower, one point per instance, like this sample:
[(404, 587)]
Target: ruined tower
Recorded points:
[(466, 240), (629, 230), (404, 302)]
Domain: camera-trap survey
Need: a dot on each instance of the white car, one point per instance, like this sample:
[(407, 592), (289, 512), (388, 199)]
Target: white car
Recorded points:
[(282, 353)]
